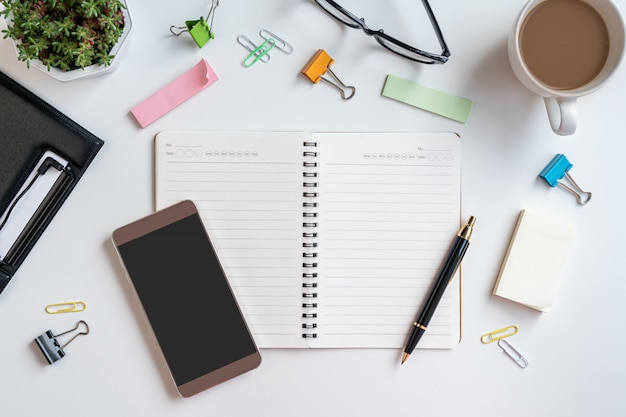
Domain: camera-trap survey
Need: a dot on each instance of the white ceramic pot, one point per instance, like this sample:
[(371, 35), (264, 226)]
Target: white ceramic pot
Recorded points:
[(93, 70)]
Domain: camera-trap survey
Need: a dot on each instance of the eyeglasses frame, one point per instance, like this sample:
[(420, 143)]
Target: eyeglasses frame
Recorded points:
[(380, 34)]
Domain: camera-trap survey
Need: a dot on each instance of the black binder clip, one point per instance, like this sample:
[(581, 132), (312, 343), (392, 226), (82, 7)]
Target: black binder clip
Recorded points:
[(50, 346), (558, 168)]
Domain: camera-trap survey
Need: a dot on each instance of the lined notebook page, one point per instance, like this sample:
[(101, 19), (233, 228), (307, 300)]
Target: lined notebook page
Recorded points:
[(248, 189), (389, 211)]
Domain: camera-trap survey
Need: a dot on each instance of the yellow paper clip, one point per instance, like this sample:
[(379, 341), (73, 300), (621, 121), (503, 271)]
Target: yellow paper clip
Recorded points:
[(67, 307), (499, 334), (317, 67)]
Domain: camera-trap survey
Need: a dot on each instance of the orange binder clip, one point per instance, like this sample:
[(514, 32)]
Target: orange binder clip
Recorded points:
[(318, 66)]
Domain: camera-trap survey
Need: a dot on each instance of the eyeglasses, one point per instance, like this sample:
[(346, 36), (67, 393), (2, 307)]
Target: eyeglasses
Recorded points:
[(391, 43)]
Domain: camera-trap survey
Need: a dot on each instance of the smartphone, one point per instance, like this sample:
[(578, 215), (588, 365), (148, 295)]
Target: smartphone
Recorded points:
[(200, 329)]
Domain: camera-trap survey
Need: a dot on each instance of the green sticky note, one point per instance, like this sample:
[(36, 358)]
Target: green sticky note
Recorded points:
[(199, 31), (434, 101)]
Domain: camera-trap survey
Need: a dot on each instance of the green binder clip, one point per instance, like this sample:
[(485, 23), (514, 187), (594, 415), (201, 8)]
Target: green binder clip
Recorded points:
[(199, 30)]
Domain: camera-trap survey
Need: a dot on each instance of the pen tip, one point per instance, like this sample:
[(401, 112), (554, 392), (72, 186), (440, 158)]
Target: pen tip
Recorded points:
[(405, 356)]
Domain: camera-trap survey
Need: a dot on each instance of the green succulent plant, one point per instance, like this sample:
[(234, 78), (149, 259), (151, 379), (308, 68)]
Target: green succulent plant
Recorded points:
[(65, 34)]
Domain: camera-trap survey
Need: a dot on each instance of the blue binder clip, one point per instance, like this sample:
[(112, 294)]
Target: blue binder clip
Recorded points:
[(50, 346), (557, 169)]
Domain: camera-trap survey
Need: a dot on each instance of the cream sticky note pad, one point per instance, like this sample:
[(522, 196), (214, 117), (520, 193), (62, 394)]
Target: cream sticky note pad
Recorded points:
[(535, 260)]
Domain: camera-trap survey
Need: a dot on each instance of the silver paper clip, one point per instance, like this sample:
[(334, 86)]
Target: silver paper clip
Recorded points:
[(558, 168), (50, 346), (281, 44), (513, 353)]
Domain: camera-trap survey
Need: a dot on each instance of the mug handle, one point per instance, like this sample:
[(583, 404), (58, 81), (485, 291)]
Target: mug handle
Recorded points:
[(563, 114)]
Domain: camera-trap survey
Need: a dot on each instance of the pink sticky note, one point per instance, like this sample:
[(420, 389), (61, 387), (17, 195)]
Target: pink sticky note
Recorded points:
[(175, 93)]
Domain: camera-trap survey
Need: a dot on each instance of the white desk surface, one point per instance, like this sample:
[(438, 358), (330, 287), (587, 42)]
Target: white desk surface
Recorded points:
[(576, 352)]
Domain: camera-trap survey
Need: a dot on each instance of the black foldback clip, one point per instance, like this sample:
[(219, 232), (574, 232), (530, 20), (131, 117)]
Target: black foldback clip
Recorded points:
[(50, 346)]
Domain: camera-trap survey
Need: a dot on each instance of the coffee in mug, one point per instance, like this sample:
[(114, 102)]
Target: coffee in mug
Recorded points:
[(556, 49), (563, 49)]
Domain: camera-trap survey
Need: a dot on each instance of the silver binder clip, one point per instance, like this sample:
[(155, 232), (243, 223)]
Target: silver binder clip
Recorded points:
[(50, 346), (513, 353), (558, 168)]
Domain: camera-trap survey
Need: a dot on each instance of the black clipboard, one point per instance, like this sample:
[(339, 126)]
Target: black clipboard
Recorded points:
[(30, 131)]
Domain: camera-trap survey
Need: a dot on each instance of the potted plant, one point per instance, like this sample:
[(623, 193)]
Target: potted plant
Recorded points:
[(67, 38)]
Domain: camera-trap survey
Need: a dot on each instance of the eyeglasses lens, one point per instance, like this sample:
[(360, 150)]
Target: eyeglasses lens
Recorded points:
[(403, 51), (337, 14)]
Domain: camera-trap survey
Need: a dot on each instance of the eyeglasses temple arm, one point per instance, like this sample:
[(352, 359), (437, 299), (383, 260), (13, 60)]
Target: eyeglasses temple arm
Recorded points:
[(433, 21)]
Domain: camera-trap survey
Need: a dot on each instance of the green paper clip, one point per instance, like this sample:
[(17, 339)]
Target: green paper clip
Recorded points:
[(259, 52), (244, 41), (199, 30)]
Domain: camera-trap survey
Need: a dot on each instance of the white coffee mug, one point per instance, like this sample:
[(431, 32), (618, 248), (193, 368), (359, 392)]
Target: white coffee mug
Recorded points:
[(561, 101)]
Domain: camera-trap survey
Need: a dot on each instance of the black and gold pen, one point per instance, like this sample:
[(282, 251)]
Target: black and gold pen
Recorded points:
[(451, 264)]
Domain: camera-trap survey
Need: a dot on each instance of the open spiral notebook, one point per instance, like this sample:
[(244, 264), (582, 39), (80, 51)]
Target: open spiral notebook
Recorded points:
[(329, 240)]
